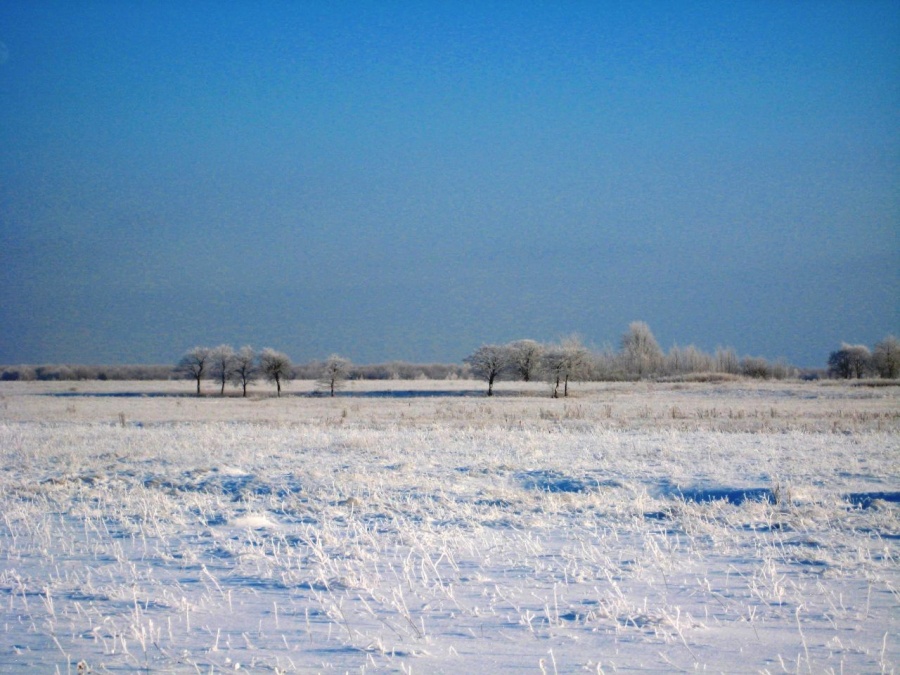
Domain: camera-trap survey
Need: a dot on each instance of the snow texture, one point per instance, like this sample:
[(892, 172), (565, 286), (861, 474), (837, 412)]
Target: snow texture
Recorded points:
[(504, 536)]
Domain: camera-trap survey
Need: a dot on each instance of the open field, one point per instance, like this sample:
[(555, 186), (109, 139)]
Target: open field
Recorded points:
[(422, 527)]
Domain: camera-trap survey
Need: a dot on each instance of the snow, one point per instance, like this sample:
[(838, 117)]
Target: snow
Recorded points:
[(604, 533)]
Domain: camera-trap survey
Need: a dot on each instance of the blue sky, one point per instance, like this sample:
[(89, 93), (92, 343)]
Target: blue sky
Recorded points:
[(408, 180)]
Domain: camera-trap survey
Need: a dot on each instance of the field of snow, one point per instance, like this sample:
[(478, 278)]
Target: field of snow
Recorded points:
[(420, 527)]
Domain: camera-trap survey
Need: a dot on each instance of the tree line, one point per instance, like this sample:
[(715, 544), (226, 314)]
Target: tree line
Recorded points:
[(639, 357), (858, 361), (243, 367), (391, 370), (76, 372)]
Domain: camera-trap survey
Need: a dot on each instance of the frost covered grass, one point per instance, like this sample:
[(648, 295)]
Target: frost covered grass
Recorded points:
[(721, 527)]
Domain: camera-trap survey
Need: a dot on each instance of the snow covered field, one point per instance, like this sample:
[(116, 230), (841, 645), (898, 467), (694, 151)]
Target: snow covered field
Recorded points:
[(421, 527)]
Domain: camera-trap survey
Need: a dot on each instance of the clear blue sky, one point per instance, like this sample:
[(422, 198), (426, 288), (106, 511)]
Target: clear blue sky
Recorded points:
[(408, 180)]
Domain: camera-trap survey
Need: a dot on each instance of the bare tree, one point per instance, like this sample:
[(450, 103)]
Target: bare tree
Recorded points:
[(554, 366), (244, 370), (780, 369), (756, 367), (640, 350), (727, 361), (275, 367), (488, 362), (567, 361), (675, 362), (525, 358), (886, 357), (577, 361), (221, 364), (606, 364), (334, 372), (850, 361), (193, 365), (683, 360)]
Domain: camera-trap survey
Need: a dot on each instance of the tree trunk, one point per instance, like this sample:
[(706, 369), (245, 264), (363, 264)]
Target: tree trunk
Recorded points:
[(491, 385), (278, 385), (198, 385)]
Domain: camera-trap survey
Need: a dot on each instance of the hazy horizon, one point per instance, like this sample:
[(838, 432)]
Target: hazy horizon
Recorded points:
[(406, 180)]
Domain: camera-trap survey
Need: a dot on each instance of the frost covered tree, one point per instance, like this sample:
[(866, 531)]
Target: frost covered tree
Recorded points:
[(334, 371), (488, 363), (244, 370), (525, 358), (756, 367), (886, 357), (606, 364), (683, 360), (221, 364), (194, 364), (850, 361), (554, 365), (640, 350), (275, 367), (569, 360), (727, 361)]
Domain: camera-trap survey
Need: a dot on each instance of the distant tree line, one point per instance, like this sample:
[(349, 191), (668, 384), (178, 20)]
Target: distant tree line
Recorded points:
[(27, 373), (639, 357), (393, 370), (224, 365), (858, 361), (240, 368)]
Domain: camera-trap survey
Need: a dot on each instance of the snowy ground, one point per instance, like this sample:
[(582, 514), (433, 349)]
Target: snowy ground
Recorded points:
[(420, 527)]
